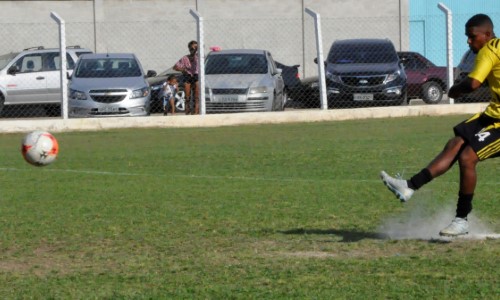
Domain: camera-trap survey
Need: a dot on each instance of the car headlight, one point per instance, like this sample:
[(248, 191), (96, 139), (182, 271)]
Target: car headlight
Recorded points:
[(258, 90), (140, 93), (78, 95), (393, 76), (156, 86), (333, 77)]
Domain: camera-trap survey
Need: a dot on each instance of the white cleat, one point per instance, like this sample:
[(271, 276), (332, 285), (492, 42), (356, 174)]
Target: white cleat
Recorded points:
[(457, 227), (397, 186)]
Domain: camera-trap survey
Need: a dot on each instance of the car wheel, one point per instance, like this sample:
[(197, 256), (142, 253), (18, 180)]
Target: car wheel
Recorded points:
[(284, 100), (180, 102), (2, 102), (432, 93)]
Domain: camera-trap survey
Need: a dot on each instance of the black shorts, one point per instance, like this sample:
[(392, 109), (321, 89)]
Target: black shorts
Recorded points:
[(482, 133), (190, 78)]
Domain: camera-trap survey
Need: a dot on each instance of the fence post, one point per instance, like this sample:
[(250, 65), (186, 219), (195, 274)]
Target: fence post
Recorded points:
[(62, 58), (320, 60), (449, 46), (201, 58)]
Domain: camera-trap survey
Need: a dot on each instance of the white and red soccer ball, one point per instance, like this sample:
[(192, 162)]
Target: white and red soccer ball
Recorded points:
[(40, 148)]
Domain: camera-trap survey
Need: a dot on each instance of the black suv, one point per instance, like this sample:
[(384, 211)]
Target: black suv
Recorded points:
[(364, 72)]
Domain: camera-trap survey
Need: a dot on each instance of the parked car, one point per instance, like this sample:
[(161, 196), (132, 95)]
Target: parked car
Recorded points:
[(243, 80), (425, 80), (32, 76), (108, 84), (463, 69), (291, 78), (364, 72)]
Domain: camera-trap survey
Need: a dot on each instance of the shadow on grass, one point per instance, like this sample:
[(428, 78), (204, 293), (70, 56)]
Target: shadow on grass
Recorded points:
[(348, 236)]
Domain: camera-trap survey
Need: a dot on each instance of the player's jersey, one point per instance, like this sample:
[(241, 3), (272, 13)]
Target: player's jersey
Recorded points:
[(487, 66)]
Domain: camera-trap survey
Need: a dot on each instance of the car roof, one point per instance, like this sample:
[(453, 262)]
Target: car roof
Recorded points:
[(238, 51), (107, 55), (362, 41)]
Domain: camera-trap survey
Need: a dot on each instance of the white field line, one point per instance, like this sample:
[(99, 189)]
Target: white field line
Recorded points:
[(283, 179)]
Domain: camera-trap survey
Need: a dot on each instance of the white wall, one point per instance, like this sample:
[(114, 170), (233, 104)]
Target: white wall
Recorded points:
[(158, 30)]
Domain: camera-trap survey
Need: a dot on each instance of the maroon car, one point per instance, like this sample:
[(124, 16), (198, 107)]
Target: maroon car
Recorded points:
[(425, 80)]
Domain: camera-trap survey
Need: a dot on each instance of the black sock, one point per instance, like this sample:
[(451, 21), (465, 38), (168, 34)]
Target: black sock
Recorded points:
[(419, 179), (464, 205)]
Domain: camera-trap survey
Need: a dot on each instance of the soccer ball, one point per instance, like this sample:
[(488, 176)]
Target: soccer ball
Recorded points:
[(39, 148)]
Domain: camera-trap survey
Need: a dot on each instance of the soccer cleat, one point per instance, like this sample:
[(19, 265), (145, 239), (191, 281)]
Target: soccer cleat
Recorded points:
[(458, 226), (397, 186)]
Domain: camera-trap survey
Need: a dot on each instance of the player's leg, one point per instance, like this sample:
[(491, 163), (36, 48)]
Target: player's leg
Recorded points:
[(404, 189), (187, 93), (196, 98), (172, 104), (468, 178)]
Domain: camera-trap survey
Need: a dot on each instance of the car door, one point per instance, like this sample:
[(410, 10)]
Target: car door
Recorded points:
[(415, 74), (52, 67), (28, 84), (279, 84)]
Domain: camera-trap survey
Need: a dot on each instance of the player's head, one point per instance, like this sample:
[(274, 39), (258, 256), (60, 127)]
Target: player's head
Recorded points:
[(193, 47), (479, 30), (172, 79)]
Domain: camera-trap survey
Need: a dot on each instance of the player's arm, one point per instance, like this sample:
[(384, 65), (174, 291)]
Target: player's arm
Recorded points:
[(465, 86)]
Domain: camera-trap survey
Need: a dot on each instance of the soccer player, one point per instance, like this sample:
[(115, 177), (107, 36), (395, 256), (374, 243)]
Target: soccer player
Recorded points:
[(476, 139)]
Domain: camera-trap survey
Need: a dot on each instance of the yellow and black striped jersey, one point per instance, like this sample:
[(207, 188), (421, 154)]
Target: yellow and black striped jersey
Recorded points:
[(487, 67)]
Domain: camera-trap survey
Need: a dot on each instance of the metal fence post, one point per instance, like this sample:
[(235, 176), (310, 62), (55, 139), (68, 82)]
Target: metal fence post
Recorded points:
[(449, 46), (62, 57), (320, 60), (201, 58)]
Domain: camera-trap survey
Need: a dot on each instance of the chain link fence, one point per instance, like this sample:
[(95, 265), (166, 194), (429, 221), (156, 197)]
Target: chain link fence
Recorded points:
[(359, 74)]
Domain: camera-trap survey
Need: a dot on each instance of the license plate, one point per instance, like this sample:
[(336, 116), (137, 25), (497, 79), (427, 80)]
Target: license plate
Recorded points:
[(362, 97), (111, 109), (226, 99)]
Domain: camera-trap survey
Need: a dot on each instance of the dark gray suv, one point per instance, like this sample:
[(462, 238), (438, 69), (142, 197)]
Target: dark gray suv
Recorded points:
[(364, 72)]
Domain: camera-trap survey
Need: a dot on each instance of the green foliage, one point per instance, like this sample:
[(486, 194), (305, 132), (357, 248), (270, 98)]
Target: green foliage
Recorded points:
[(249, 212)]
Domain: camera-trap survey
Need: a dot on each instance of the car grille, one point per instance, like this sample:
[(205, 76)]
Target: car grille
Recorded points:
[(229, 91), (363, 80), (236, 107), (108, 96)]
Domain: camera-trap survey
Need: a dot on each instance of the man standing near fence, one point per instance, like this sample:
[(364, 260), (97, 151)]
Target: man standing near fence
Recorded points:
[(188, 65), (476, 139)]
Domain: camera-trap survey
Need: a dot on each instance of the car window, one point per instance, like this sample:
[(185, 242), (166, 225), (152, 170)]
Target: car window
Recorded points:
[(108, 68), (236, 64), (272, 63), (362, 54), (6, 59), (30, 63), (70, 63)]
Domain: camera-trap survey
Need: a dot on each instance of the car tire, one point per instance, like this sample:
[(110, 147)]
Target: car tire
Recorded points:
[(432, 92), (284, 100), (2, 102), (180, 101)]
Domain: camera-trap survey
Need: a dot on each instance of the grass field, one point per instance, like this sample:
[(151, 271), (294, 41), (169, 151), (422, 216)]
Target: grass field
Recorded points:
[(290, 211)]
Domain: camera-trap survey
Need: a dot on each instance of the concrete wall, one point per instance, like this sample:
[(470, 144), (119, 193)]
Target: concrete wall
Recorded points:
[(158, 30)]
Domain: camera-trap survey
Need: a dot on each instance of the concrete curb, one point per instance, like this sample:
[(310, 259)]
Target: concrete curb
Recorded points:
[(183, 121)]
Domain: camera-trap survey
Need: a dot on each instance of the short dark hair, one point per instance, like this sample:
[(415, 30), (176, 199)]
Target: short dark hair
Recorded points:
[(171, 76), (479, 20), (192, 43)]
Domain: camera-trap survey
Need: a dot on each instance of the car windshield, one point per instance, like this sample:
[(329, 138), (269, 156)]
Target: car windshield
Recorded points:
[(362, 54), (6, 58), (236, 64), (107, 68)]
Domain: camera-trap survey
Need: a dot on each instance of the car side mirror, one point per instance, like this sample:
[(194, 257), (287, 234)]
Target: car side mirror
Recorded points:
[(279, 71), (13, 70), (151, 73), (68, 75)]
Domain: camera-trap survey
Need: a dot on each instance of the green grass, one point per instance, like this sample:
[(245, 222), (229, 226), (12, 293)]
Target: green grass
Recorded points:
[(250, 212)]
